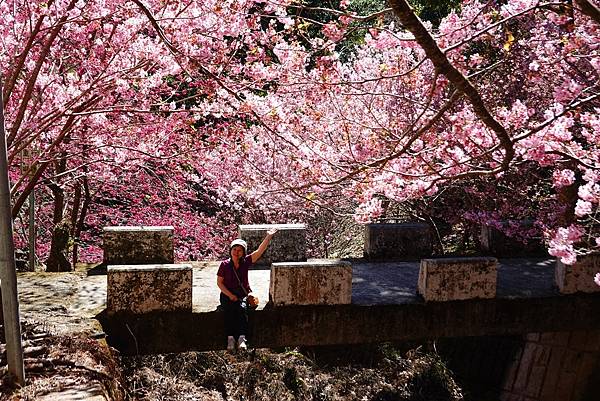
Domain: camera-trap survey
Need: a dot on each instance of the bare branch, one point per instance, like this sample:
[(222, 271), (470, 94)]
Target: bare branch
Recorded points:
[(16, 71), (344, 13)]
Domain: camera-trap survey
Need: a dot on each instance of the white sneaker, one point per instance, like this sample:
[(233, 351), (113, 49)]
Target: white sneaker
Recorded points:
[(242, 343), (230, 343)]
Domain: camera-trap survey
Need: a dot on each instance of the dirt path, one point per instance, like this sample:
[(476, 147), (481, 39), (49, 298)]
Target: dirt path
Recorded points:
[(63, 303), (63, 360)]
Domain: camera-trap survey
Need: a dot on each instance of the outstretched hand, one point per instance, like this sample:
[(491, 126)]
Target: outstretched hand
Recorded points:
[(263, 245)]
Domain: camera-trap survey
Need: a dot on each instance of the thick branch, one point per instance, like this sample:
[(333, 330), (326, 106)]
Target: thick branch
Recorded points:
[(20, 201), (16, 71), (589, 9), (443, 66), (33, 77)]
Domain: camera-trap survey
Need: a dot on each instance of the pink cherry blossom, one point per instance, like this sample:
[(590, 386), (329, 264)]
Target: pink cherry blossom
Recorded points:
[(231, 113), (368, 211), (563, 178), (333, 31), (589, 192), (583, 208)]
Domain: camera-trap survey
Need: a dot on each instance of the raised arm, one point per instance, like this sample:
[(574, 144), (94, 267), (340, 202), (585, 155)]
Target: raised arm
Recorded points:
[(263, 245)]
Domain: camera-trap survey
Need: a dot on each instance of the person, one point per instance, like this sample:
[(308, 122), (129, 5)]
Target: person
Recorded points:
[(232, 280)]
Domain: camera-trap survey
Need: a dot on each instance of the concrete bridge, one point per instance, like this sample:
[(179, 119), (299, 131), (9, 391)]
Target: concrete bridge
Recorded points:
[(384, 307), (526, 339), (529, 342)]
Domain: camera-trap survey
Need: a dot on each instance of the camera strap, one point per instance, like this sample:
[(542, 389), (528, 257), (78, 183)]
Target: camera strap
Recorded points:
[(238, 278)]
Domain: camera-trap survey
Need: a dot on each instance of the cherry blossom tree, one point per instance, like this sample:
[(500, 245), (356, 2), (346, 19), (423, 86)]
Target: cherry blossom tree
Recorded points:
[(98, 95), (208, 115), (497, 91)]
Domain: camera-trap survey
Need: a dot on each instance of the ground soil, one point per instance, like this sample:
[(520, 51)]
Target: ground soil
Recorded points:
[(64, 351), (62, 366)]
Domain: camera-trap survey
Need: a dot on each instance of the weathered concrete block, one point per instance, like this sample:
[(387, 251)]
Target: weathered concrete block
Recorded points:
[(448, 279), (578, 277), (134, 245), (397, 241), (288, 245), (317, 282), (495, 242), (149, 288)]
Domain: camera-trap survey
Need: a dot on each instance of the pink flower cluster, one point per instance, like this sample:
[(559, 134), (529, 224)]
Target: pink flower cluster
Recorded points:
[(367, 211), (589, 195), (563, 178), (162, 142), (562, 243), (333, 31)]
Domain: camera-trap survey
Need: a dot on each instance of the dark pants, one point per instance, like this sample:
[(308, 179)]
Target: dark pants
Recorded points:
[(236, 316)]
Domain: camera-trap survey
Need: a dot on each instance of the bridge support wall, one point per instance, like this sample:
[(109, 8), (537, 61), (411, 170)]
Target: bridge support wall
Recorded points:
[(579, 276), (149, 288), (495, 242), (555, 366), (447, 279), (353, 324), (317, 282)]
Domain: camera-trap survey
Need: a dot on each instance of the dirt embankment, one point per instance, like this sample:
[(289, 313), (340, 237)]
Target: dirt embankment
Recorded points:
[(61, 366), (64, 353)]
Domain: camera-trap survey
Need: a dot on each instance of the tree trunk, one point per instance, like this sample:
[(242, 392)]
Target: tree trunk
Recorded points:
[(57, 259), (78, 222)]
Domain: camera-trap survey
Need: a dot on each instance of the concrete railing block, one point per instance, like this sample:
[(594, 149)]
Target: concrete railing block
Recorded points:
[(288, 245), (448, 279), (578, 277), (132, 245), (397, 241), (316, 282), (494, 242), (149, 288)]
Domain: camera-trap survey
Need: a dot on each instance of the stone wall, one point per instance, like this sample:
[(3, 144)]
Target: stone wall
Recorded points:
[(494, 242), (578, 277), (287, 245), (312, 325), (138, 245), (397, 241)]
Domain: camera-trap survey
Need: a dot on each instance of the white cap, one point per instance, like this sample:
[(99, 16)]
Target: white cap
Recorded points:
[(239, 242)]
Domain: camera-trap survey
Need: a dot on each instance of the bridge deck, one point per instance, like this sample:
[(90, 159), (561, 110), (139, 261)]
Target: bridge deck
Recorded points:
[(391, 283)]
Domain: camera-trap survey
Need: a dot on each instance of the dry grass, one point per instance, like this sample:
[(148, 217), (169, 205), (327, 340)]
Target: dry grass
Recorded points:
[(358, 373), (378, 373)]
